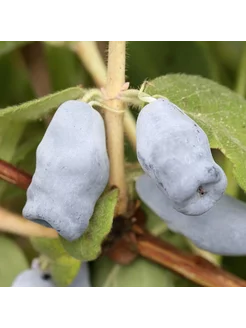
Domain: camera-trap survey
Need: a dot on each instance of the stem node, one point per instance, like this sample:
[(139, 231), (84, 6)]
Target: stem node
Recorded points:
[(115, 121)]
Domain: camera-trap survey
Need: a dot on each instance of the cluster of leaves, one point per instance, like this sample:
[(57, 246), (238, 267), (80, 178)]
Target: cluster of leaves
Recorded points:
[(216, 108)]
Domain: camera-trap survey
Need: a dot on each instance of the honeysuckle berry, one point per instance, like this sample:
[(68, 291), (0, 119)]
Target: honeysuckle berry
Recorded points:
[(174, 151), (72, 170), (221, 230)]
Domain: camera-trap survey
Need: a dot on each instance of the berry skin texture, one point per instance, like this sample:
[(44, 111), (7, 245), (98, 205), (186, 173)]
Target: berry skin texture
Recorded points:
[(174, 151), (32, 278), (72, 170), (221, 230)]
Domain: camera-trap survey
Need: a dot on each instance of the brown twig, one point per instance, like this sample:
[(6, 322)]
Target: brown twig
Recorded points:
[(13, 175), (195, 268), (189, 266)]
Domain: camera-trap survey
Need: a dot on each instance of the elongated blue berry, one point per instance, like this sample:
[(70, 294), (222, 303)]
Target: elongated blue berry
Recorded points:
[(221, 230), (174, 151), (72, 170)]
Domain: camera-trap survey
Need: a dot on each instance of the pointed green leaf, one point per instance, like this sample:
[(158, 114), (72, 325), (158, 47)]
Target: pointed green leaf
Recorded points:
[(12, 261), (217, 109), (40, 107), (140, 273), (88, 246)]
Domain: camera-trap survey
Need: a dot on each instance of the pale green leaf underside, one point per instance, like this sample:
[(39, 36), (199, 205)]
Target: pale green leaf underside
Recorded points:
[(219, 111), (40, 107), (140, 273), (12, 261), (88, 246)]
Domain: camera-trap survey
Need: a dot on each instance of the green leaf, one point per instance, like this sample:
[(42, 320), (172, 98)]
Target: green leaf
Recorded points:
[(10, 133), (218, 110), (140, 273), (26, 148), (8, 46), (51, 247), (24, 158), (64, 268), (38, 108), (12, 261), (88, 246), (25, 155)]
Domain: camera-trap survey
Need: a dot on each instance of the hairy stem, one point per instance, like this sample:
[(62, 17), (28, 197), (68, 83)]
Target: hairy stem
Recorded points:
[(90, 56), (114, 120)]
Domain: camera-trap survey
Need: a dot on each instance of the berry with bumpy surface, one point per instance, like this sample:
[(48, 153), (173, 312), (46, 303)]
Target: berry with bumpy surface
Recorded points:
[(72, 170), (221, 230), (174, 151)]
